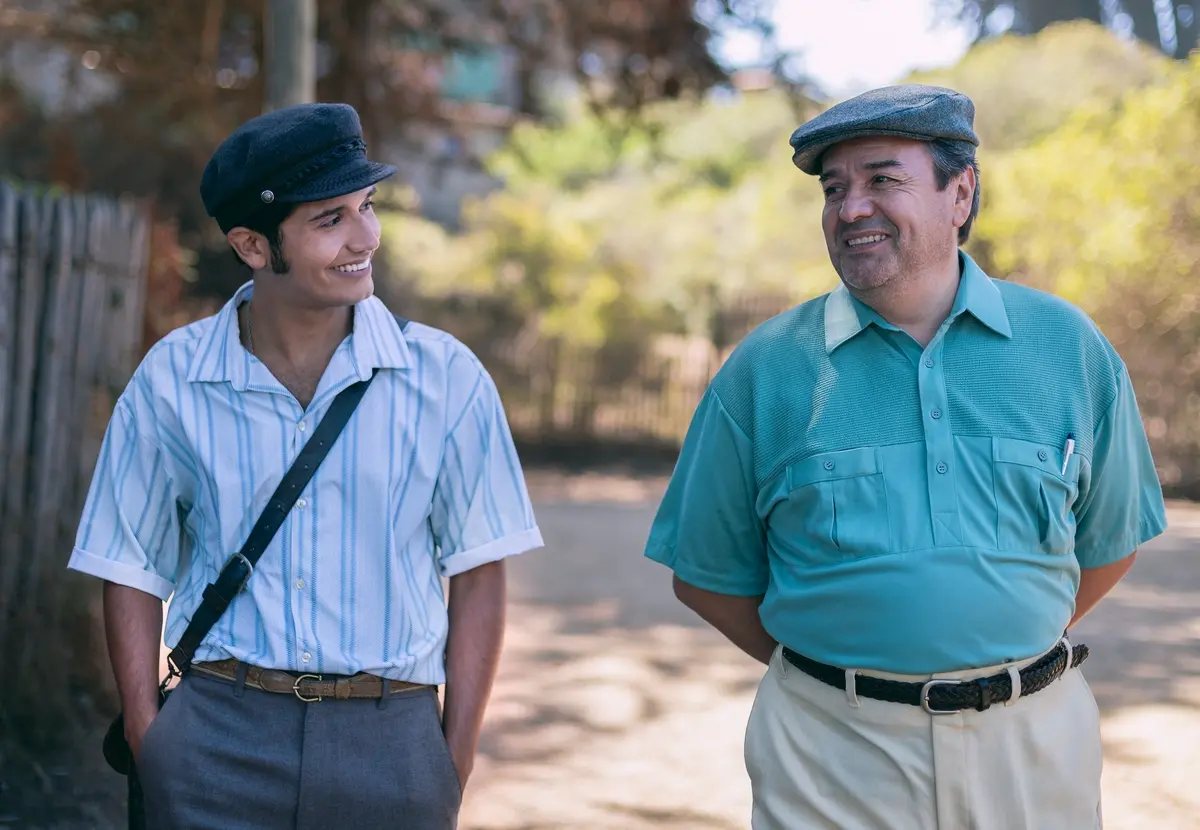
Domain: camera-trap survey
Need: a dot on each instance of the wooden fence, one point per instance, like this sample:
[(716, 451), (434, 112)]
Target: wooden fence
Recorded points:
[(629, 400), (72, 272)]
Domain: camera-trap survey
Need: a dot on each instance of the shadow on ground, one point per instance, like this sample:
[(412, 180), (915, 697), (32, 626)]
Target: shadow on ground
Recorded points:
[(619, 709), (613, 695), (1146, 634)]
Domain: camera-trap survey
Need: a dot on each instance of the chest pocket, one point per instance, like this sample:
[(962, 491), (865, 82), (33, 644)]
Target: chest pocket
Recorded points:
[(1034, 497), (836, 507)]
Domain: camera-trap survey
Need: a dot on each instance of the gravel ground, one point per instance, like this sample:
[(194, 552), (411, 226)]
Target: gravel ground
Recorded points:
[(617, 708)]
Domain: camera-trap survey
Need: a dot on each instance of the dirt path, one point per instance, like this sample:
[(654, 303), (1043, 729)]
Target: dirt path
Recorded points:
[(617, 709)]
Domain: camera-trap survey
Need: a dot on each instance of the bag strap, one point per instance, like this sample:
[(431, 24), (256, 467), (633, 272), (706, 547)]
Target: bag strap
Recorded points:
[(240, 566)]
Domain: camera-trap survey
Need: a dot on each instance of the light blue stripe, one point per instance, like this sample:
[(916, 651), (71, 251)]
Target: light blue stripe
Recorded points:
[(213, 340), (280, 542), (495, 520), (120, 479), (344, 535), (457, 499), (352, 553), (155, 491), (246, 476), (312, 516), (108, 484), (389, 546), (408, 585)]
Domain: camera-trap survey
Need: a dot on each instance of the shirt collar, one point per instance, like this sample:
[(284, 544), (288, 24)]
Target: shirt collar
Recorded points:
[(376, 342), (846, 316)]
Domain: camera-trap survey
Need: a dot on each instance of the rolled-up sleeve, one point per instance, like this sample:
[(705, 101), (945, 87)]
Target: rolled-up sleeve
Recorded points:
[(1121, 505), (707, 529), (129, 530), (481, 507)]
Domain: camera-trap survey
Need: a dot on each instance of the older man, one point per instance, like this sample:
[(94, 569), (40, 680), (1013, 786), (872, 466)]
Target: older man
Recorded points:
[(901, 494)]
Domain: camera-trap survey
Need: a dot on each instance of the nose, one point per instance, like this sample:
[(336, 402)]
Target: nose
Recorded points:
[(855, 206), (366, 235)]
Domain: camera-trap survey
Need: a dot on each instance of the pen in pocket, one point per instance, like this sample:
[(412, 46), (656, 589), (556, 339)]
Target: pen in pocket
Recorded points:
[(1068, 451)]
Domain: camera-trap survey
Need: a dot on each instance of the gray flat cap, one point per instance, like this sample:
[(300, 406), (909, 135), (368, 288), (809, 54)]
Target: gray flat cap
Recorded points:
[(914, 111)]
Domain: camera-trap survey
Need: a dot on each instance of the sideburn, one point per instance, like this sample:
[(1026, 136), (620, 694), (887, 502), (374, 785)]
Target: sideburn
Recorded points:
[(279, 263)]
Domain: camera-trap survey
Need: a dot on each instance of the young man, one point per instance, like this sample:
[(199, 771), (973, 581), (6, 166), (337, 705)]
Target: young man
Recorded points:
[(899, 496), (313, 700)]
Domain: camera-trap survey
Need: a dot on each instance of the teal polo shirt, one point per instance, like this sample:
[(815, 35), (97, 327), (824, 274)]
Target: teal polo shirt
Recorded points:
[(913, 509)]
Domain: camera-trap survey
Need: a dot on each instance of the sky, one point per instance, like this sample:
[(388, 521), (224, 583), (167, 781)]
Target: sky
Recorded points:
[(852, 45)]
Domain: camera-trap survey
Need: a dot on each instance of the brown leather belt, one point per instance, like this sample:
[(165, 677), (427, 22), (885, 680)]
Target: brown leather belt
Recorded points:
[(311, 688)]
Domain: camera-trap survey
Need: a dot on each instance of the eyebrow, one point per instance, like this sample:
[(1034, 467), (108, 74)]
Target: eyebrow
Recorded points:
[(325, 214), (882, 164)]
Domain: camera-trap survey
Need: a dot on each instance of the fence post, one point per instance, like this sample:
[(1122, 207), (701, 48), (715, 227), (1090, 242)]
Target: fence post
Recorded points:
[(8, 332)]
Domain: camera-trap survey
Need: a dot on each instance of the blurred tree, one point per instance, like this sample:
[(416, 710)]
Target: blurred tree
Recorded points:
[(1104, 211), (1090, 188), (1006, 77), (1173, 30), (151, 87)]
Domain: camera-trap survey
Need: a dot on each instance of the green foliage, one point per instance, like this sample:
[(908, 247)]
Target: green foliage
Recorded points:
[(1025, 86), (691, 204), (657, 221), (1105, 211), (607, 241)]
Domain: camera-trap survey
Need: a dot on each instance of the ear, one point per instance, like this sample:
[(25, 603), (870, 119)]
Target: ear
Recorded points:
[(964, 196), (252, 247)]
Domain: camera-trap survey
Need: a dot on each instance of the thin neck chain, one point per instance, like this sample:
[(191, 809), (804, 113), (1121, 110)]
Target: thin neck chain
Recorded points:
[(250, 327)]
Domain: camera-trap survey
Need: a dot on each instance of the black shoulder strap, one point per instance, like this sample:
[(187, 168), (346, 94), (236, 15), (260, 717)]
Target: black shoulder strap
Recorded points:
[(240, 566), (403, 321)]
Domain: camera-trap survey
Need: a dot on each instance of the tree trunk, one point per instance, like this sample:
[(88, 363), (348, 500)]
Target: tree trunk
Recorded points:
[(1187, 28), (291, 43), (1035, 15), (1145, 21)]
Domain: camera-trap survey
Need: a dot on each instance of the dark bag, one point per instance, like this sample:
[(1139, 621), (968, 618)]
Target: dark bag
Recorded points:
[(234, 576)]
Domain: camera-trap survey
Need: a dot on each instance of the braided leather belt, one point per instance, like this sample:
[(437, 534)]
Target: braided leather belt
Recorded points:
[(945, 697), (310, 688)]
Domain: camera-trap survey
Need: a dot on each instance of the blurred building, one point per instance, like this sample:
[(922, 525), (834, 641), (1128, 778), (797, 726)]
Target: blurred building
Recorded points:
[(471, 95), (442, 156)]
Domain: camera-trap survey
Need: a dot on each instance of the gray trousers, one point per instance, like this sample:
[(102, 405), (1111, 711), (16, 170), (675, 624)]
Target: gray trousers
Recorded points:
[(220, 756)]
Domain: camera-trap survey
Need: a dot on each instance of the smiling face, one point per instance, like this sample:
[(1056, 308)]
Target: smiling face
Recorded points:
[(885, 219), (325, 251)]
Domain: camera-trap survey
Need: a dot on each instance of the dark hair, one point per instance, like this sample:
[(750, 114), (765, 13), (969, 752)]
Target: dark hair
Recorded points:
[(267, 221), (950, 158)]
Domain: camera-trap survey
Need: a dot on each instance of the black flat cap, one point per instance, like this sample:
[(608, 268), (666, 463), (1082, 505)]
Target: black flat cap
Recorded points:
[(304, 153), (913, 111)]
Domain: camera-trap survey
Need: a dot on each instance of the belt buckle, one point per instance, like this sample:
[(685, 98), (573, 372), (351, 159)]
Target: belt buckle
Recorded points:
[(296, 688), (925, 696)]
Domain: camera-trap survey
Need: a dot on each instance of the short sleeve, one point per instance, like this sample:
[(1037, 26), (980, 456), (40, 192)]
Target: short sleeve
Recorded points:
[(129, 530), (1121, 503), (481, 507), (707, 529)]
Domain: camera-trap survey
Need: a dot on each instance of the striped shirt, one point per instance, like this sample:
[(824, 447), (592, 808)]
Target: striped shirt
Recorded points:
[(424, 483)]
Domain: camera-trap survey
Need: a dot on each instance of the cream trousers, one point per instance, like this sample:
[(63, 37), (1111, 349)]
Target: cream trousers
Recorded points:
[(819, 759)]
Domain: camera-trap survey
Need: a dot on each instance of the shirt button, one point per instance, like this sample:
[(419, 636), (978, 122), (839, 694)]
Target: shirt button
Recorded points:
[(299, 583), (828, 465), (1042, 455), (301, 503), (929, 363), (941, 467), (301, 426), (935, 414), (305, 657)]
